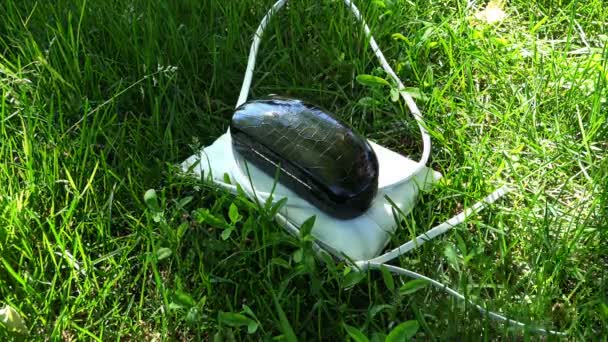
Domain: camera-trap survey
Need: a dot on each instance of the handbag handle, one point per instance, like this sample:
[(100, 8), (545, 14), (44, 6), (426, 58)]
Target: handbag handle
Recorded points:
[(426, 139)]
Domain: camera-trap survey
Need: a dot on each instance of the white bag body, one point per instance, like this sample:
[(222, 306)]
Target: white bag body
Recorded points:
[(357, 239)]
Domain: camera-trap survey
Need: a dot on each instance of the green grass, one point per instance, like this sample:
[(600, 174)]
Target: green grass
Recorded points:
[(100, 99)]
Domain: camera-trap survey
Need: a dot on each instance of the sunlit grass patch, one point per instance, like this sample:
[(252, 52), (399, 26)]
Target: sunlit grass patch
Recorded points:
[(100, 100)]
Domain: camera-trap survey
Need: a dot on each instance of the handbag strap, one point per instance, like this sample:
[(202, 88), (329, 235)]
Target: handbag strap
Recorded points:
[(380, 261), (426, 139)]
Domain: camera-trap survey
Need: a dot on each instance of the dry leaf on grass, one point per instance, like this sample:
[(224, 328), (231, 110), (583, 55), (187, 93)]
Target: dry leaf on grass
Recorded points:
[(12, 320), (492, 13)]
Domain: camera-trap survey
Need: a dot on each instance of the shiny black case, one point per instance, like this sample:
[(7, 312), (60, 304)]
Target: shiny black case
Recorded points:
[(320, 157)]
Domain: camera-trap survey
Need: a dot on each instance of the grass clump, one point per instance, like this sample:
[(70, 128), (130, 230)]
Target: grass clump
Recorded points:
[(100, 99)]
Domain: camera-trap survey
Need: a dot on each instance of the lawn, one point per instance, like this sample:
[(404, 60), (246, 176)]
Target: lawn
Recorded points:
[(102, 99)]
